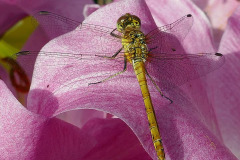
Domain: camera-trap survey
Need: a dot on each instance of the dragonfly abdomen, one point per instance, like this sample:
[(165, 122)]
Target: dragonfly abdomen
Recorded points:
[(140, 72)]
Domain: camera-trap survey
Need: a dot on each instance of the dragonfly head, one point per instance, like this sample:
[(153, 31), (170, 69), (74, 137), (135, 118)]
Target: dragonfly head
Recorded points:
[(128, 22)]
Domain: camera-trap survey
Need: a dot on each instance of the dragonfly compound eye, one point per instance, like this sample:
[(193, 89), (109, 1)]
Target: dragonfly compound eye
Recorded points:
[(136, 21), (128, 21)]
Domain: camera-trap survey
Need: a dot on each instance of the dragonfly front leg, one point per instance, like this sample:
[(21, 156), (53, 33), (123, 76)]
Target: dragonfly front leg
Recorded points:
[(113, 56), (116, 74), (159, 90), (115, 35)]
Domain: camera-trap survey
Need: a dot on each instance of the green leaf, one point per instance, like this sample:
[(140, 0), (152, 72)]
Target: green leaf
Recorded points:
[(14, 39)]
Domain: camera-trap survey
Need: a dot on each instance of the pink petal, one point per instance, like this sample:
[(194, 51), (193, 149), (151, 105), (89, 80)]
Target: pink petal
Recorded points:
[(89, 9), (201, 3), (25, 135), (80, 117), (114, 139), (4, 76), (227, 83), (218, 13)]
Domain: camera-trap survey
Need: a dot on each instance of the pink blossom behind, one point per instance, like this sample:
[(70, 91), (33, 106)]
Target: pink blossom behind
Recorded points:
[(226, 86), (218, 12)]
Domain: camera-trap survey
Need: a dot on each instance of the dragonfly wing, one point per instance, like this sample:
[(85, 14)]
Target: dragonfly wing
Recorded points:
[(168, 38), (172, 70), (55, 25), (55, 67)]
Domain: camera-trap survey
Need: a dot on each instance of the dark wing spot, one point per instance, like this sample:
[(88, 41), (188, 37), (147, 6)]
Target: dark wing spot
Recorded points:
[(218, 54), (43, 12)]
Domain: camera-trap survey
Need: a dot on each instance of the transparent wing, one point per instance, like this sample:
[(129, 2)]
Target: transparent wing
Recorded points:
[(55, 25), (67, 66), (168, 38), (84, 48), (172, 70)]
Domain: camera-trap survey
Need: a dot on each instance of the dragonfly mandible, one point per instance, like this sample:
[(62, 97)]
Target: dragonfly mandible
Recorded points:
[(159, 51)]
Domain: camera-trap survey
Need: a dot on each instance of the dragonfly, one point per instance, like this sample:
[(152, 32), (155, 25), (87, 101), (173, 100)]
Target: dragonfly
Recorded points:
[(156, 57)]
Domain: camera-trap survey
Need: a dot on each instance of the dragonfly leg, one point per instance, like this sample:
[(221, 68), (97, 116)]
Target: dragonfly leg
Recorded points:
[(114, 75), (159, 90), (115, 35), (113, 56)]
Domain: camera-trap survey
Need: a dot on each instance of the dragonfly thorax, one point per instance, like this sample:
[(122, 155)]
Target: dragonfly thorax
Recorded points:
[(134, 44)]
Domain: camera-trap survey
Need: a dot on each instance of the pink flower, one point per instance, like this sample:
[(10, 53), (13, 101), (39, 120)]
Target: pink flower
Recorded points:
[(218, 13), (189, 127), (25, 135), (225, 86)]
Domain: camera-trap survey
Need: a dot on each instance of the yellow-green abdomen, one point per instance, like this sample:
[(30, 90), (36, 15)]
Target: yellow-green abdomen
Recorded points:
[(140, 72)]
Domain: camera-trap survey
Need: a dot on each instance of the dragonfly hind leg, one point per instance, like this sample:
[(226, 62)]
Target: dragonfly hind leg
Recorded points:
[(114, 75), (156, 86)]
